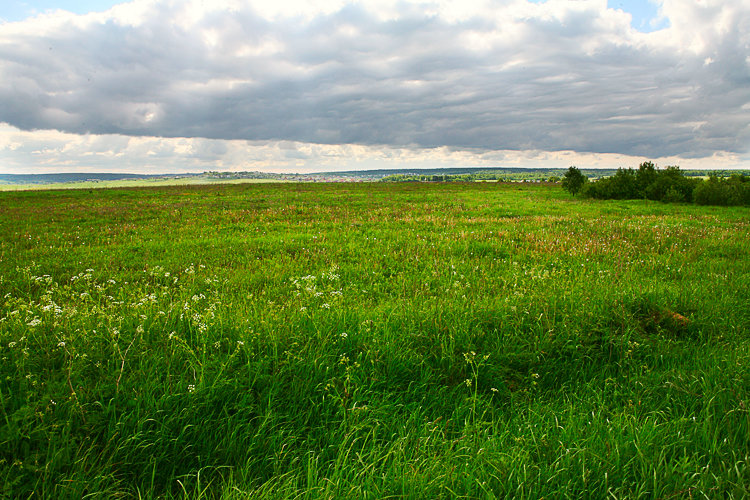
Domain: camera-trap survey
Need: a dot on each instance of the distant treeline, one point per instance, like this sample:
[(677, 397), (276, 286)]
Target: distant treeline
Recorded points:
[(531, 175), (242, 175), (668, 185), (427, 173), (70, 177)]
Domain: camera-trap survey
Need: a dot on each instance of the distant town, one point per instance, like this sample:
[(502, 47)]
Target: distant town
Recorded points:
[(498, 174)]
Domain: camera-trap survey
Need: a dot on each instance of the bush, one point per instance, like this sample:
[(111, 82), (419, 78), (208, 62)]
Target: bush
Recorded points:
[(715, 191), (646, 175), (668, 185), (673, 195), (621, 186)]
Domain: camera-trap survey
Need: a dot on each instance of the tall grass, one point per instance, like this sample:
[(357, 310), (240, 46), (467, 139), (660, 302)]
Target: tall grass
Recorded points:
[(475, 340)]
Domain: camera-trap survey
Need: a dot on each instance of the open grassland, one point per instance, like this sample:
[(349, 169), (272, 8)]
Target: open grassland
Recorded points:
[(372, 340), (130, 183)]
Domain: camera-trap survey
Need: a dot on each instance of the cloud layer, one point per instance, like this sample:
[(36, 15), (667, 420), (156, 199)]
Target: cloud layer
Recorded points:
[(488, 76)]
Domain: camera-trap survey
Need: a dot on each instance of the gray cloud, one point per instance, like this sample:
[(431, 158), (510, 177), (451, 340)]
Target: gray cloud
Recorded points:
[(516, 77)]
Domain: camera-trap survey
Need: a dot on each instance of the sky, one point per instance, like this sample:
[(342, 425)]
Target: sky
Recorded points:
[(167, 86)]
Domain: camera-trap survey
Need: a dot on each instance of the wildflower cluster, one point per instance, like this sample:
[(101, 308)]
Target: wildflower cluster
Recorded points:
[(85, 324), (318, 292)]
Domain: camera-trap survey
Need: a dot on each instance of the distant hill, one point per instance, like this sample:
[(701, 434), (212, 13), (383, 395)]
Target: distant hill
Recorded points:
[(213, 175), (75, 177), (376, 174), (471, 173)]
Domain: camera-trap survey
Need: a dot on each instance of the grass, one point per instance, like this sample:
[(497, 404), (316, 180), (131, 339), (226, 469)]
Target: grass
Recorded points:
[(131, 183), (371, 340)]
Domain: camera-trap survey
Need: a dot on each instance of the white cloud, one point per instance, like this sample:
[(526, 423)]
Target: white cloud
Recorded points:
[(345, 79), (53, 151)]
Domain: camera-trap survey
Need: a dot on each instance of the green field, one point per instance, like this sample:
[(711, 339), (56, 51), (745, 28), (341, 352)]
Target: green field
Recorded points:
[(130, 183), (415, 340)]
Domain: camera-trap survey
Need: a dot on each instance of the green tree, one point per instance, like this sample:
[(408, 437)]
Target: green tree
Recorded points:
[(573, 180), (621, 186), (646, 175), (716, 191), (671, 185)]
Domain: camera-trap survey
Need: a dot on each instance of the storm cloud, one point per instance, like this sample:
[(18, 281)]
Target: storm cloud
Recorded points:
[(554, 76)]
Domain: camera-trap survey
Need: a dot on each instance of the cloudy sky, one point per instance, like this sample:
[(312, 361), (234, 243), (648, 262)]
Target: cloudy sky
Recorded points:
[(300, 86)]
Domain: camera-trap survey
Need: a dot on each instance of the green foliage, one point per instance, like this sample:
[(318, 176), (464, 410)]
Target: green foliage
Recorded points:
[(375, 340), (573, 180), (667, 185), (671, 185), (621, 186), (500, 175), (725, 192), (645, 176)]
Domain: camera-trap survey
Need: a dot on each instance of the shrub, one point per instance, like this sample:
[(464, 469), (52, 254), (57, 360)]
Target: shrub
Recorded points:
[(668, 185), (715, 191), (623, 185), (672, 184), (646, 175), (673, 195)]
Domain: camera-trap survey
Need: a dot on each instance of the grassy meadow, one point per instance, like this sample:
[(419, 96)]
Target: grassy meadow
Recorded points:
[(477, 340), (130, 183)]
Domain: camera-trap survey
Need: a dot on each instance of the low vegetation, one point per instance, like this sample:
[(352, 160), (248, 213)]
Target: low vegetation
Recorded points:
[(499, 174), (667, 185), (371, 340)]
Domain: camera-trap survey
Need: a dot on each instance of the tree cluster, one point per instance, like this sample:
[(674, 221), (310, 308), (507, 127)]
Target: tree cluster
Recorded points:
[(505, 176), (667, 185), (716, 191)]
